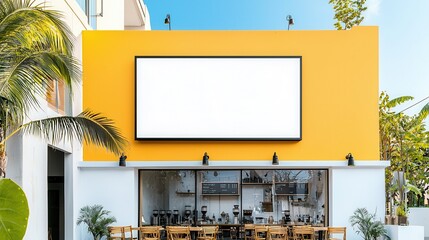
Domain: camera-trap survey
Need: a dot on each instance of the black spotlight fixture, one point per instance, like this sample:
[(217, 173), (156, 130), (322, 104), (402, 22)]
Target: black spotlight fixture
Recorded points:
[(275, 159), (167, 20), (122, 159), (206, 159), (290, 21), (351, 160)]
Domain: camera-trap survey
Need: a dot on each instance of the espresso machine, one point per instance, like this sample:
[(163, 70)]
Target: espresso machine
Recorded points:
[(155, 218), (247, 217)]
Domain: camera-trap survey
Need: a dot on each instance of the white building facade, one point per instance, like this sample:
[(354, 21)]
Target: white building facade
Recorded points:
[(47, 172)]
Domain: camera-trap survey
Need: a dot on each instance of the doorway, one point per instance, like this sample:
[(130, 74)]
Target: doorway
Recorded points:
[(55, 194)]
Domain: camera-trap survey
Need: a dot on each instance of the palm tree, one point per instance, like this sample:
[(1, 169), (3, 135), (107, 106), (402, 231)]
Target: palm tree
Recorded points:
[(35, 52), (96, 219), (367, 226)]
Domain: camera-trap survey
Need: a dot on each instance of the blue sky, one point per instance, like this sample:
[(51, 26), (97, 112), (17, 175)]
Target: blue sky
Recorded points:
[(404, 30)]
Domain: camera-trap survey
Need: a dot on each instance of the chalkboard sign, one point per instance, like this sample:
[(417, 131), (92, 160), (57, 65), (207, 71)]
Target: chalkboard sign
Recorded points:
[(291, 188), (220, 188)]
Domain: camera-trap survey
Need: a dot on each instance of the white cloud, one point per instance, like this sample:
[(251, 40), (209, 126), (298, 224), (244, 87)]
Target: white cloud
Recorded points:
[(373, 8)]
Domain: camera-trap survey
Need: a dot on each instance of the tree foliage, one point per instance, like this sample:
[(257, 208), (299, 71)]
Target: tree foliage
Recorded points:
[(36, 52), (404, 141), (96, 219), (348, 13)]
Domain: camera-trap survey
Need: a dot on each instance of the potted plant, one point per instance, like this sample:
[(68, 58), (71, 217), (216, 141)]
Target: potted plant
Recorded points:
[(367, 226), (96, 219), (402, 212)]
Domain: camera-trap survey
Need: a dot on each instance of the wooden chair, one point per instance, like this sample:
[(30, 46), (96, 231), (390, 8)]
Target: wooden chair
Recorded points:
[(277, 233), (116, 233), (261, 232), (178, 233), (249, 231), (128, 232), (208, 233), (150, 233), (303, 232), (336, 231)]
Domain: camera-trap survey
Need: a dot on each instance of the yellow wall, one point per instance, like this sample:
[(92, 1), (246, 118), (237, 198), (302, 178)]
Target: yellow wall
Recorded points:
[(339, 85)]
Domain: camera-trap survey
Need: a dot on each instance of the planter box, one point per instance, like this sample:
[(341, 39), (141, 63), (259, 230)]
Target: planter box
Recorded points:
[(396, 232), (420, 217)]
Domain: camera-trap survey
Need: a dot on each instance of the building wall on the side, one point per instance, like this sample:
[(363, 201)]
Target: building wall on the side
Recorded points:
[(351, 188), (339, 90), (115, 189), (113, 15)]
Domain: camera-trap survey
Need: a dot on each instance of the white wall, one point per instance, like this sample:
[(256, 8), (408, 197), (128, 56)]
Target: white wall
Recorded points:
[(420, 217), (113, 188), (113, 15), (351, 188), (34, 184)]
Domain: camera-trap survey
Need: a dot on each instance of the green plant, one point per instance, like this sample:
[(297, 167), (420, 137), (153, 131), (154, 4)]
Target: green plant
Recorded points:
[(401, 210), (96, 219), (348, 13), (13, 210), (404, 141), (367, 226), (35, 55)]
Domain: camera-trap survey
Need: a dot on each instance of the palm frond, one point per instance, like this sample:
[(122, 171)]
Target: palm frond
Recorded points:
[(24, 24), (88, 127), (399, 100), (24, 78), (35, 50)]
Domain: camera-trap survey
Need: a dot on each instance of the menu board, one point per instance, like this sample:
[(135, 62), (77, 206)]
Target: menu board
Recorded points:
[(291, 188), (220, 188)]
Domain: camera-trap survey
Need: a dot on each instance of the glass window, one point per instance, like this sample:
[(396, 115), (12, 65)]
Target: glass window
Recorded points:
[(55, 96), (218, 193), (176, 197), (167, 197)]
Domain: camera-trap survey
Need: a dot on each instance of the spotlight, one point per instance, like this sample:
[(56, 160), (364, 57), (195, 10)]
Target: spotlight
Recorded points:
[(351, 160), (206, 159), (122, 159), (167, 20), (289, 21), (275, 159)]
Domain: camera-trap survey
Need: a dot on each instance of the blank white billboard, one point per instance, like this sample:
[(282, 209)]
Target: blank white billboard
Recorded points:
[(218, 98)]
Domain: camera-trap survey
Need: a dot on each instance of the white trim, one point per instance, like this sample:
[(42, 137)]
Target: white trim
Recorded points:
[(247, 164)]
